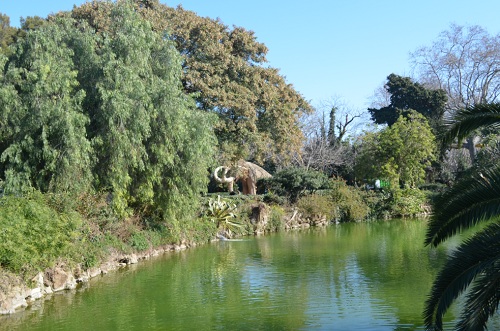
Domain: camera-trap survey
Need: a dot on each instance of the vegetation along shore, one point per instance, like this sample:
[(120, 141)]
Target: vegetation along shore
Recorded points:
[(130, 128)]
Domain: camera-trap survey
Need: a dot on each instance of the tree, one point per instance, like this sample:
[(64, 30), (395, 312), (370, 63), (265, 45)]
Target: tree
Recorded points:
[(399, 153), (76, 103), (152, 146), (327, 147), (474, 265), (7, 34), (295, 182), (224, 70), (332, 138), (45, 146), (405, 95), (463, 61)]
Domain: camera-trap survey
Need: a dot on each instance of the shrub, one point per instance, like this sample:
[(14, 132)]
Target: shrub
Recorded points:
[(408, 202), (139, 241), (224, 214), (33, 235), (273, 199), (316, 206), (276, 219), (295, 182), (349, 201)]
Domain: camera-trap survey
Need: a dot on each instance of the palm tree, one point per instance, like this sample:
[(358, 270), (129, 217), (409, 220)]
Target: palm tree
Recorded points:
[(474, 267)]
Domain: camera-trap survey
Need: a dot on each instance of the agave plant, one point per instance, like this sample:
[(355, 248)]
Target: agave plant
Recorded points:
[(474, 267), (223, 214)]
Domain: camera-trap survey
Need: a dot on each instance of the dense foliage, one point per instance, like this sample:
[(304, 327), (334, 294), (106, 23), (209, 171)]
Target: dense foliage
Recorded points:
[(406, 95), (82, 110), (399, 153), (473, 266), (51, 234), (295, 182), (223, 69)]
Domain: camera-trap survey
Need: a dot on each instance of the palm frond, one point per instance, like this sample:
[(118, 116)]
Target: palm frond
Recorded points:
[(467, 120), (468, 202), (482, 300), (476, 255)]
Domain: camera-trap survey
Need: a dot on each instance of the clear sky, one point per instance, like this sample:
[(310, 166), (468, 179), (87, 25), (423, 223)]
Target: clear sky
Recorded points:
[(326, 48)]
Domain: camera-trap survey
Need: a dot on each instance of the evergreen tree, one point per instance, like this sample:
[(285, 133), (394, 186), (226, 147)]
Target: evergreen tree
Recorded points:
[(46, 146), (408, 95)]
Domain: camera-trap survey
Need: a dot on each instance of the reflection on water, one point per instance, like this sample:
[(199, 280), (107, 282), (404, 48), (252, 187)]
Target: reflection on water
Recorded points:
[(371, 276)]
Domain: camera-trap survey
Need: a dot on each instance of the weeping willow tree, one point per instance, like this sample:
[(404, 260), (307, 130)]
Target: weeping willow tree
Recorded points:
[(474, 267), (83, 110)]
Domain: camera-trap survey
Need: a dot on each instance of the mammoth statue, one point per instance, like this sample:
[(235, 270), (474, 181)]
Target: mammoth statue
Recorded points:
[(246, 172)]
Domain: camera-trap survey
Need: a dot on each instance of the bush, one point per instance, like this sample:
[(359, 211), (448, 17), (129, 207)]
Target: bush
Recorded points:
[(139, 241), (295, 182), (276, 219), (316, 206), (33, 235), (224, 214), (349, 201), (408, 202), (273, 199)]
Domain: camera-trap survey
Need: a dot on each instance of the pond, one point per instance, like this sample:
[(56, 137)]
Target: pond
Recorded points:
[(368, 276)]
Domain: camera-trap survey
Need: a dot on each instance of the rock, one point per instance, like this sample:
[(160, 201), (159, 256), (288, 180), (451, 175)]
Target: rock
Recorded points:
[(38, 280), (259, 218), (59, 279), (128, 259), (15, 299), (133, 259), (36, 293), (94, 272)]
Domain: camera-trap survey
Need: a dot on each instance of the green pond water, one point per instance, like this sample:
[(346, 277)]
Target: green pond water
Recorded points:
[(369, 276)]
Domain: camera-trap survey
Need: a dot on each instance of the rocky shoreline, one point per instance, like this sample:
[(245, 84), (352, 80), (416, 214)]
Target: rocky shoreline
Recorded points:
[(15, 295)]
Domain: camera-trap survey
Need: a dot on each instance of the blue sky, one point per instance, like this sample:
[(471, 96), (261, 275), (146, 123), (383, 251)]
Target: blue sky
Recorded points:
[(326, 48)]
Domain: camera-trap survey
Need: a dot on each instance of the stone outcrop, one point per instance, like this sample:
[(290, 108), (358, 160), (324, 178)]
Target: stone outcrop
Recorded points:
[(297, 221), (259, 218)]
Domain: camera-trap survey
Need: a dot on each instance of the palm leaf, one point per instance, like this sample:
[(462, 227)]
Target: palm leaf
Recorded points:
[(468, 202), (465, 121), (477, 255), (482, 300)]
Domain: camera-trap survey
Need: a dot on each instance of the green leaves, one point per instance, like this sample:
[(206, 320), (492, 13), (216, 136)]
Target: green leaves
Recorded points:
[(467, 203), (407, 95), (474, 265), (47, 146), (467, 120), (223, 213), (475, 262), (82, 110), (224, 70), (399, 153), (32, 235), (294, 182)]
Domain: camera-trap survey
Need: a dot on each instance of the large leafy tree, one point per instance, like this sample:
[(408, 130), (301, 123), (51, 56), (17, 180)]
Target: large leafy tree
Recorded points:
[(44, 145), (399, 153), (224, 70), (152, 145), (405, 94), (463, 61), (7, 34), (75, 102), (475, 265)]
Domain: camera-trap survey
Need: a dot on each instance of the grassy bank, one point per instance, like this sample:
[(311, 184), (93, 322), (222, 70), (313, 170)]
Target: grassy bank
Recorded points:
[(38, 231)]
